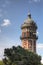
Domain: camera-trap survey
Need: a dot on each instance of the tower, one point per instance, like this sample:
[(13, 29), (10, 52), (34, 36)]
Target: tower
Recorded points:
[(29, 37)]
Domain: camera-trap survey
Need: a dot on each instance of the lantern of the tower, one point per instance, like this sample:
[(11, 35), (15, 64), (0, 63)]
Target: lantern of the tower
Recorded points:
[(29, 37)]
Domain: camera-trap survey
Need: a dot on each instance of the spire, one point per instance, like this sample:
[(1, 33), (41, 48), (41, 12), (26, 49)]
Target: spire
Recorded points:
[(29, 15)]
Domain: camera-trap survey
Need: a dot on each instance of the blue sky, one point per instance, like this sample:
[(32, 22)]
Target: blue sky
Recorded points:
[(12, 15)]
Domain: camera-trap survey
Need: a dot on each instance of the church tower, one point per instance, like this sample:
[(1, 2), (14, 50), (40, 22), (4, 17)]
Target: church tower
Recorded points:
[(29, 37)]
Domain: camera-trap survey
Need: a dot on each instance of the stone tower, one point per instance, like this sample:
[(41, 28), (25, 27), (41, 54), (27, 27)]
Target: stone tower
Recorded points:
[(29, 37)]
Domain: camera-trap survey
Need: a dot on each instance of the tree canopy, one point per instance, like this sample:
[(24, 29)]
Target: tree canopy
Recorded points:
[(19, 56)]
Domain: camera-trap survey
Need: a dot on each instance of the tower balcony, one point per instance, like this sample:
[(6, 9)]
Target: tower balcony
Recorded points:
[(35, 37), (28, 37)]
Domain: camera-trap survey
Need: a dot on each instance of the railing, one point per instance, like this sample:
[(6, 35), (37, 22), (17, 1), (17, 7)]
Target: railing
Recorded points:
[(29, 37)]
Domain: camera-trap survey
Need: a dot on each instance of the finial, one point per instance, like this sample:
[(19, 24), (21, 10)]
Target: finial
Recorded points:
[(29, 15)]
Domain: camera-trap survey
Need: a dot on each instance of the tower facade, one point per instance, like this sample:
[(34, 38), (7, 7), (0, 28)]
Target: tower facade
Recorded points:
[(28, 36)]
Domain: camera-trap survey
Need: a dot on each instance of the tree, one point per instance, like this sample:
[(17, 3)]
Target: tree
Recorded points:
[(20, 56)]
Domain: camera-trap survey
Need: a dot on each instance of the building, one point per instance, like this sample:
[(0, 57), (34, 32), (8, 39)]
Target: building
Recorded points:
[(29, 37)]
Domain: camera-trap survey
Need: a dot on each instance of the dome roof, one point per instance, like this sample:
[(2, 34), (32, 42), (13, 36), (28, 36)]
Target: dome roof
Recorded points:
[(28, 22), (29, 19)]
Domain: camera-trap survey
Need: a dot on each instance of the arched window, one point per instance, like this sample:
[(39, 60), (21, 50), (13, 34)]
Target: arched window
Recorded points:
[(24, 34), (30, 44)]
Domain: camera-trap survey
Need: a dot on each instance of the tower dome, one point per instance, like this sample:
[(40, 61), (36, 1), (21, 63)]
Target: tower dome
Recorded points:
[(28, 22)]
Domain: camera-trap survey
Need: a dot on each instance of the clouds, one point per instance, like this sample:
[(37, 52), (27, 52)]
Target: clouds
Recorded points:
[(40, 46), (42, 60), (0, 30), (1, 52), (35, 1), (6, 22), (40, 50), (4, 4)]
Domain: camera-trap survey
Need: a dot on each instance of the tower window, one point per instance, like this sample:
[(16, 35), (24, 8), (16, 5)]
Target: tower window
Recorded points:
[(24, 34), (30, 43), (30, 34)]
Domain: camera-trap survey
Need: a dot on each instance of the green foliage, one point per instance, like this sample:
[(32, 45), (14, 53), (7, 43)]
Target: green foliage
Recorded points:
[(20, 56)]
